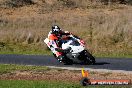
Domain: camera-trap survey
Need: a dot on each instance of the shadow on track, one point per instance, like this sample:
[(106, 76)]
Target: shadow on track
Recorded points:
[(101, 63), (97, 63)]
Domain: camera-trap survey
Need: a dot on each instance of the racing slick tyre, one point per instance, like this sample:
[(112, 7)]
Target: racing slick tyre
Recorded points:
[(89, 58), (65, 60), (68, 61), (55, 56)]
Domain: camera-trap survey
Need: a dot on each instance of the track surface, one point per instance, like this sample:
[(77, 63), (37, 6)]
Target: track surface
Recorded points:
[(101, 63)]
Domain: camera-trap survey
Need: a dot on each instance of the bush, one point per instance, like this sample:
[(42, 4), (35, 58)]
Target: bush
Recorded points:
[(17, 3), (68, 3), (117, 1)]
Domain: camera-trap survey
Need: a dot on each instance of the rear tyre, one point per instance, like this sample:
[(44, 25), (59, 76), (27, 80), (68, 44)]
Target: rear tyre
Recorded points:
[(64, 60), (55, 56), (68, 61)]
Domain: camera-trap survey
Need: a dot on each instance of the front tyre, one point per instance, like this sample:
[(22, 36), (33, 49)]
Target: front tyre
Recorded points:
[(89, 58)]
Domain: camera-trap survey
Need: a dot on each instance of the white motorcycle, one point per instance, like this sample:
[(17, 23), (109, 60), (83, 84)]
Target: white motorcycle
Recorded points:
[(73, 50)]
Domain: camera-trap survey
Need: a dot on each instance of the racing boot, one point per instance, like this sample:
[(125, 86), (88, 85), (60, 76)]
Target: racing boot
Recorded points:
[(61, 58), (65, 60)]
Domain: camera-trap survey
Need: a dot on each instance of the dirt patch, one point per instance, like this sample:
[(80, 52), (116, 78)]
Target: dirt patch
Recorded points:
[(61, 75)]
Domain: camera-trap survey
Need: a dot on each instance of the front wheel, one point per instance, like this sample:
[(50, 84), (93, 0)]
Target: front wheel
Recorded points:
[(89, 58)]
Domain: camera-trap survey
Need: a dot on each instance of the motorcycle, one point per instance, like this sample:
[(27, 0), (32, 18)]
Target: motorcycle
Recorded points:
[(73, 50)]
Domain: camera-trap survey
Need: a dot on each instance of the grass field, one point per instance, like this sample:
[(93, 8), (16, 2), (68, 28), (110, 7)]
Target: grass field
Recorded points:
[(106, 29), (7, 68), (39, 83), (47, 84)]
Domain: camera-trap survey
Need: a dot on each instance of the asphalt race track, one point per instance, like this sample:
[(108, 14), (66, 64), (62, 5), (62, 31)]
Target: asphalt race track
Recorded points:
[(42, 60)]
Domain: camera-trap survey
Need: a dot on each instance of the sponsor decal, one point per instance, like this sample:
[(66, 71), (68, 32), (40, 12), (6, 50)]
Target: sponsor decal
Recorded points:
[(110, 82), (52, 42), (85, 75)]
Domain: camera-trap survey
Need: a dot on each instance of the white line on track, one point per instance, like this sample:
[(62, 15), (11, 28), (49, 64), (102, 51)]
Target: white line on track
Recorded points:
[(90, 69)]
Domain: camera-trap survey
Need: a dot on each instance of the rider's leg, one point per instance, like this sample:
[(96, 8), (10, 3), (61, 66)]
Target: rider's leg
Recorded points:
[(60, 57)]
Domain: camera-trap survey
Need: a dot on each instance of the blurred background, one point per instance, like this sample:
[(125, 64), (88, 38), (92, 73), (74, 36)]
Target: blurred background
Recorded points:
[(105, 25)]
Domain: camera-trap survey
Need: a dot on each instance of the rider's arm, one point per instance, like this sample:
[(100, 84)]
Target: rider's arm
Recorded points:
[(65, 33)]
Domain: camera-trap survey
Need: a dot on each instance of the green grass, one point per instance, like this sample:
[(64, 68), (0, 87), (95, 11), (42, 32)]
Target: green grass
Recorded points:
[(108, 33), (20, 48), (47, 84), (33, 49), (114, 55), (40, 84), (7, 68), (47, 52), (28, 52)]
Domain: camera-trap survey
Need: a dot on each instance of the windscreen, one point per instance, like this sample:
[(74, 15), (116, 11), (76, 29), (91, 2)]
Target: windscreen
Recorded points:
[(72, 41), (75, 43)]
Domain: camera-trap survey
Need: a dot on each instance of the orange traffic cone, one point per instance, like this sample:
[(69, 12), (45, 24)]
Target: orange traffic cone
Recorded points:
[(85, 80), (85, 73)]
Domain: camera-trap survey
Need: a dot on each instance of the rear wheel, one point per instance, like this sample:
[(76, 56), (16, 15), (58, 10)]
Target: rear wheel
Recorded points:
[(64, 60), (54, 55), (68, 61)]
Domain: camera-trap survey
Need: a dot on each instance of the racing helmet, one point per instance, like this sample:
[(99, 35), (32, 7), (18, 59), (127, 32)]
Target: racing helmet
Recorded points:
[(56, 29)]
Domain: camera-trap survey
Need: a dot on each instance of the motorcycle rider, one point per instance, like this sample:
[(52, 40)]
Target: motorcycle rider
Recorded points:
[(55, 37)]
